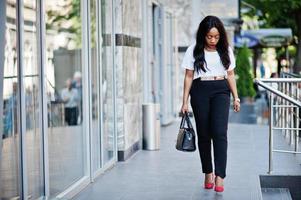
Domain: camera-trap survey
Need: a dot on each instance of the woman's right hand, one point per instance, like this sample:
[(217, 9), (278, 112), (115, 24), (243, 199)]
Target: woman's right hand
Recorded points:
[(184, 108)]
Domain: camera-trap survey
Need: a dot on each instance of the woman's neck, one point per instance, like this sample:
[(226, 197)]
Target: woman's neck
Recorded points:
[(210, 48)]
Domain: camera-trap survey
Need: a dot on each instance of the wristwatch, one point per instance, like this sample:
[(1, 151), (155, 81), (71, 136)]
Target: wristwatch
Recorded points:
[(237, 99)]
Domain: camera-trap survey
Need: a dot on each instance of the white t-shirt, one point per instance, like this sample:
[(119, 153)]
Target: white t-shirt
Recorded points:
[(214, 64), (71, 96)]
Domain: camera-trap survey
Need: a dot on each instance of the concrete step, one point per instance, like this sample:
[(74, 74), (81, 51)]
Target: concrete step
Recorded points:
[(276, 194), (289, 183)]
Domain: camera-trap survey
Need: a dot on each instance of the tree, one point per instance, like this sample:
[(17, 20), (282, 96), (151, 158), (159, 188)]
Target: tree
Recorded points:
[(280, 14), (66, 17), (243, 70)]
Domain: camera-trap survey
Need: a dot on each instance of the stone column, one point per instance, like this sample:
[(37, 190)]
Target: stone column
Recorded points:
[(128, 64)]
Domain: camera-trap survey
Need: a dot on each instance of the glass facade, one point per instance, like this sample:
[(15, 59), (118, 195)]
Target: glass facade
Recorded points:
[(32, 90), (107, 82), (77, 101), (64, 66), (10, 135), (95, 86)]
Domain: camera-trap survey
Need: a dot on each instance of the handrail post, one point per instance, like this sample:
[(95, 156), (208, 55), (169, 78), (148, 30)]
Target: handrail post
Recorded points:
[(297, 119), (271, 134), (290, 110), (276, 102), (286, 112), (282, 109)]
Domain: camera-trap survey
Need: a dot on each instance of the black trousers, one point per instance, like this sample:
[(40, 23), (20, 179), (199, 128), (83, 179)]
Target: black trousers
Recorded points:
[(71, 115), (210, 102)]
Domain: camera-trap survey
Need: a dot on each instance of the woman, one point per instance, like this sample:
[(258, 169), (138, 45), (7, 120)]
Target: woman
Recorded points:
[(209, 79)]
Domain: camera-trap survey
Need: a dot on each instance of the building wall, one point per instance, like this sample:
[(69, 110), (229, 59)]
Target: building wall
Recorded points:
[(128, 75), (130, 65), (182, 11)]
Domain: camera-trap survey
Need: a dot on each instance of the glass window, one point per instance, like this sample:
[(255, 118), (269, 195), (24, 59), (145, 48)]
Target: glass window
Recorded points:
[(10, 137), (33, 134), (95, 76), (107, 81), (66, 137)]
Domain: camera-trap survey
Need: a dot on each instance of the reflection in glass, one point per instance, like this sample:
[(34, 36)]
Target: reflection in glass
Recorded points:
[(64, 91), (31, 85), (9, 135), (107, 81), (96, 160)]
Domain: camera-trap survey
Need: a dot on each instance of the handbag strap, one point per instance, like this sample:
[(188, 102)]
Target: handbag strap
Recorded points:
[(182, 121), (185, 118), (188, 121)]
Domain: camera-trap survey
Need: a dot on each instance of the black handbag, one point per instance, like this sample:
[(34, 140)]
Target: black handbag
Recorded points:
[(186, 136)]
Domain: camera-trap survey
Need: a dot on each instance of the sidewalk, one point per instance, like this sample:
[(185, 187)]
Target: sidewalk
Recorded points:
[(172, 175)]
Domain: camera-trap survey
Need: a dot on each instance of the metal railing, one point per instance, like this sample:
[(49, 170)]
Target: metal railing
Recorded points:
[(284, 108), (289, 75)]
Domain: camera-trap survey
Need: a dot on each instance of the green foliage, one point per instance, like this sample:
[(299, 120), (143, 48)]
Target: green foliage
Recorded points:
[(243, 71), (276, 13), (69, 22), (93, 16), (281, 52), (279, 14)]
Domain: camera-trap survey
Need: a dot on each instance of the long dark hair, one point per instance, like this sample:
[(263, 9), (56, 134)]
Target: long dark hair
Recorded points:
[(222, 46)]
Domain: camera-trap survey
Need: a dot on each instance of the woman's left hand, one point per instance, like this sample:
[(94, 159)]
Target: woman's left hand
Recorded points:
[(236, 105)]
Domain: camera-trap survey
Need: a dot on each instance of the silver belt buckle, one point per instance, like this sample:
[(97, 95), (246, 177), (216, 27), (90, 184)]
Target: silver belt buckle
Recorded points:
[(212, 78)]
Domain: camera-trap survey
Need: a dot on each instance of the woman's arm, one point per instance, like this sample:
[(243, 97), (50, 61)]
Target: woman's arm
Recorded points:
[(187, 85), (233, 88)]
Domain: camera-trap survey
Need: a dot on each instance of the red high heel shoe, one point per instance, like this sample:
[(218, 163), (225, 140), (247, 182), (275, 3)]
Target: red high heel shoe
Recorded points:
[(218, 188), (209, 185)]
